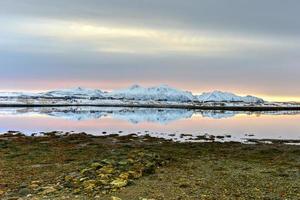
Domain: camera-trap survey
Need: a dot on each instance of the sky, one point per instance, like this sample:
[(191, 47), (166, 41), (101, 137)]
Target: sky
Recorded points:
[(241, 46)]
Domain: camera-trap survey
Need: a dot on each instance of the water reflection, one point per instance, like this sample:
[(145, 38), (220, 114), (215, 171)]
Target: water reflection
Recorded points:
[(166, 123), (133, 115)]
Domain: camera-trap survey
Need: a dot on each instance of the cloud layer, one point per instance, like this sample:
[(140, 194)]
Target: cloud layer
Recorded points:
[(241, 46)]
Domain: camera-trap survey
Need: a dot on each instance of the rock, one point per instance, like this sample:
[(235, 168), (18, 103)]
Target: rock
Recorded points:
[(104, 181), (77, 191), (123, 162), (24, 191), (115, 198), (86, 171), (14, 198), (48, 190), (124, 175), (104, 176), (96, 165), (68, 178), (107, 161), (89, 185), (23, 185), (34, 186), (111, 174), (35, 182), (1, 192), (184, 185), (136, 174), (150, 168), (108, 169), (83, 179), (145, 199), (118, 183)]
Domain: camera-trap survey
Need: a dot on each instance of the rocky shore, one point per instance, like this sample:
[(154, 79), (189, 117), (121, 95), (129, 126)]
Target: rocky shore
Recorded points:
[(82, 166)]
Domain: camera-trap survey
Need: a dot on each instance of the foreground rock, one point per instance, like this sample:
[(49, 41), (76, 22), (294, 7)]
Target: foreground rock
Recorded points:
[(114, 173)]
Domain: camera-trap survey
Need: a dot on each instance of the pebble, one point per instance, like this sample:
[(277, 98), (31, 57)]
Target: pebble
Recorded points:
[(115, 198)]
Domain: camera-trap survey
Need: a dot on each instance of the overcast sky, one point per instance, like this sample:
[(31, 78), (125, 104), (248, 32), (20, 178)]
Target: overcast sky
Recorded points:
[(242, 46)]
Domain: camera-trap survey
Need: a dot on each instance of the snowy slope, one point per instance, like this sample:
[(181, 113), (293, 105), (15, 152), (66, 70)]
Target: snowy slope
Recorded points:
[(75, 92), (17, 94), (160, 93), (218, 96), (252, 99)]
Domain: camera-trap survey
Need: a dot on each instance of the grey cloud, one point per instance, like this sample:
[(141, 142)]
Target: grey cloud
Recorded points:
[(271, 71), (275, 17), (270, 75)]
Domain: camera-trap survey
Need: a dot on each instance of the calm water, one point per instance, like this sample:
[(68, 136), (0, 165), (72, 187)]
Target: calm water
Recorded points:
[(156, 122)]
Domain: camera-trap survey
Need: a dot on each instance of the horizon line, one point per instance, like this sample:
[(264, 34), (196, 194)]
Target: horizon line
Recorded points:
[(273, 98)]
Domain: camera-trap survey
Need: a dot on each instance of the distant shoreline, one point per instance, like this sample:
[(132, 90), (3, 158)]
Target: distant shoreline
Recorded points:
[(192, 107)]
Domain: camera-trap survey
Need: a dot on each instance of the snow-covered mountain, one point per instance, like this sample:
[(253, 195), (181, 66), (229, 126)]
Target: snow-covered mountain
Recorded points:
[(136, 93), (218, 96), (75, 92), (160, 93), (132, 115)]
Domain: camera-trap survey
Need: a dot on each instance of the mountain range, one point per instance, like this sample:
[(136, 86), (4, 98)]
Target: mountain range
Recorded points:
[(139, 93)]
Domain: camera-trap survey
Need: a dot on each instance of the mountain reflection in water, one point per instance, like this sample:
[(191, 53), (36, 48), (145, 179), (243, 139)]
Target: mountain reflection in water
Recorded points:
[(164, 123), (133, 115)]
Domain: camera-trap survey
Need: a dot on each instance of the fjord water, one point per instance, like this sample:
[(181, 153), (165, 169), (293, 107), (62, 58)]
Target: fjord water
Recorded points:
[(164, 123)]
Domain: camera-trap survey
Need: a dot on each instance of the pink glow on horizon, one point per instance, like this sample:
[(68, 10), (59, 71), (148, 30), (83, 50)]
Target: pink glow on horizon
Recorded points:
[(104, 85)]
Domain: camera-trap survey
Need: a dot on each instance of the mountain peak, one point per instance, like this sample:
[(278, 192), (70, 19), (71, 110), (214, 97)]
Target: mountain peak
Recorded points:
[(80, 88), (74, 92), (220, 96), (162, 92), (135, 86)]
